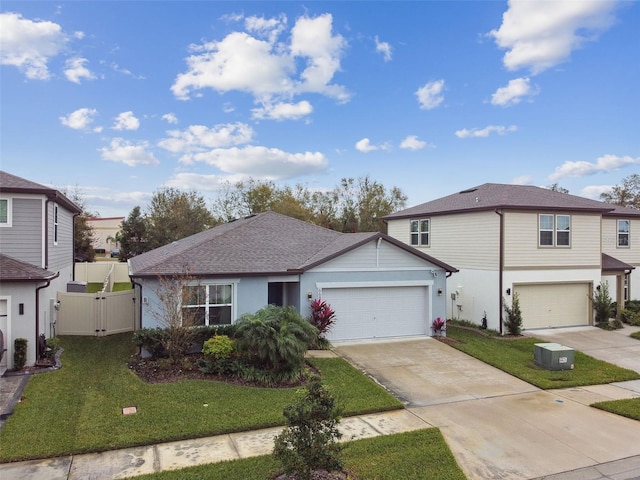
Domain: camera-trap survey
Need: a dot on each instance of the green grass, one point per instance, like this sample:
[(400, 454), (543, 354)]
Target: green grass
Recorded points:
[(415, 455), (94, 287), (635, 335), (515, 356), (79, 407), (627, 408)]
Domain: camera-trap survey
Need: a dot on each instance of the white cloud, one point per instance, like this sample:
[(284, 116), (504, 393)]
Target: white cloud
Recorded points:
[(365, 146), (522, 180), (263, 162), (170, 118), (264, 67), (411, 142), (199, 138), (430, 95), (126, 121), (485, 132), (540, 35), (204, 183), (593, 191), (606, 163), (122, 151), (28, 45), (75, 70), (80, 119), (384, 48), (513, 92), (283, 111)]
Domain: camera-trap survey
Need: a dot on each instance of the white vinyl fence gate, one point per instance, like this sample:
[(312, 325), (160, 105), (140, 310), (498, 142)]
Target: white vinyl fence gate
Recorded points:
[(98, 314)]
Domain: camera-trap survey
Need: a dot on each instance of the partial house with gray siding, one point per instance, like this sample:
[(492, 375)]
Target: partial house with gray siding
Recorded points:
[(36, 260), (551, 248)]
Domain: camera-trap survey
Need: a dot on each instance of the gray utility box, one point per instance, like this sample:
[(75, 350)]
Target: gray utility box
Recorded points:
[(77, 287), (553, 356)]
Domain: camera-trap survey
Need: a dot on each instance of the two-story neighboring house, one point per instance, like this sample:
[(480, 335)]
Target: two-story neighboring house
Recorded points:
[(36, 260), (551, 248)]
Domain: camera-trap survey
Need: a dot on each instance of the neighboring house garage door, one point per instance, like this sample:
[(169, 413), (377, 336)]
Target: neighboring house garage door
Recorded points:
[(377, 311), (554, 305)]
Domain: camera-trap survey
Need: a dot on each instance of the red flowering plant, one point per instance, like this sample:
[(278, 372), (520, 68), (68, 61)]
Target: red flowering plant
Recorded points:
[(439, 324), (322, 316)]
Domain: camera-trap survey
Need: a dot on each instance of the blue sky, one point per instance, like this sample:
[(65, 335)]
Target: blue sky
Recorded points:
[(119, 99)]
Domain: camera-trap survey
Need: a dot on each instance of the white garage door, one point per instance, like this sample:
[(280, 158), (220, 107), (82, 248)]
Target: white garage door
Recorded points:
[(554, 305), (375, 312)]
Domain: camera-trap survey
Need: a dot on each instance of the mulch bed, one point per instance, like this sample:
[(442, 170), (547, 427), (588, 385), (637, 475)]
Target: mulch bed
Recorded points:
[(321, 475), (153, 370)]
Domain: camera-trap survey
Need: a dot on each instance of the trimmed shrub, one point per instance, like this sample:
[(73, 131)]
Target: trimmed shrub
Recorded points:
[(219, 347), (19, 353), (53, 345), (513, 322), (153, 340), (310, 440)]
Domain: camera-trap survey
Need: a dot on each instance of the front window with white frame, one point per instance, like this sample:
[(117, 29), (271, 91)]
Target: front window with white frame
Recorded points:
[(623, 233), (419, 232), (554, 230), (208, 304)]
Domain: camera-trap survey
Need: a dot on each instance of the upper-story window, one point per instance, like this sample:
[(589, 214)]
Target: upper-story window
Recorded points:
[(55, 224), (5, 212), (554, 230), (420, 232), (623, 233)]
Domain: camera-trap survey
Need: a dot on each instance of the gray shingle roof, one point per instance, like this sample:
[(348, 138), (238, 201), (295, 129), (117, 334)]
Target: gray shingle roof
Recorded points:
[(490, 196), (263, 244), (611, 264), (12, 270), (13, 184)]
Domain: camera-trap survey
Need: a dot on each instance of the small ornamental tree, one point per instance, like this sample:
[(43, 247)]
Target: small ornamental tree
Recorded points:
[(274, 338), (172, 312), (309, 442), (513, 322), (602, 304)]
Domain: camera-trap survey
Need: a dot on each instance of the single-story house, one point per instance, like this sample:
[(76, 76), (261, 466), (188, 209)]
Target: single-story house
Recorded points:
[(378, 286)]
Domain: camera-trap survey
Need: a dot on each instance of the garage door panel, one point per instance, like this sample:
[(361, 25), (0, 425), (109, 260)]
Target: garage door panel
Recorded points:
[(373, 312), (554, 305)]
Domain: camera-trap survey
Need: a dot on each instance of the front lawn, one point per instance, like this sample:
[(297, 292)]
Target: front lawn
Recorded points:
[(627, 408), (515, 356), (408, 456), (79, 407)]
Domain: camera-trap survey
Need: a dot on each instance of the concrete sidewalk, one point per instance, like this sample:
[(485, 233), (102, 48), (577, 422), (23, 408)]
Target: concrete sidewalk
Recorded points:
[(129, 462)]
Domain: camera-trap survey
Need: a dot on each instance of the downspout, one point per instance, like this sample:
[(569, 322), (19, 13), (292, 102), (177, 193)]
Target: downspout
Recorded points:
[(134, 283), (73, 242), (38, 352), (500, 265), (46, 234)]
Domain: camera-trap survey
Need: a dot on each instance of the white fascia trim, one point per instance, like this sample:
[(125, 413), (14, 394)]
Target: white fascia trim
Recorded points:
[(406, 283)]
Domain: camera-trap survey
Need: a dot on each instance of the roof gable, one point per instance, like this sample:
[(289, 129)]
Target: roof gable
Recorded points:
[(491, 196), (13, 184)]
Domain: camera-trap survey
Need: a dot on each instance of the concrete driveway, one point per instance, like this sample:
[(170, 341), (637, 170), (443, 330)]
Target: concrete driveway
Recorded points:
[(497, 426)]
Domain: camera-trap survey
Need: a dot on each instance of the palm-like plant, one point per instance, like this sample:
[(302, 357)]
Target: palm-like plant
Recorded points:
[(276, 338)]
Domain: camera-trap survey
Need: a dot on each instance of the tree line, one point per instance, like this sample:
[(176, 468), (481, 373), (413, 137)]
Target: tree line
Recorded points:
[(354, 205)]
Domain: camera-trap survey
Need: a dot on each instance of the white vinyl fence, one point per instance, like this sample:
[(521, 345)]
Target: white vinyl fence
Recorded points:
[(99, 314)]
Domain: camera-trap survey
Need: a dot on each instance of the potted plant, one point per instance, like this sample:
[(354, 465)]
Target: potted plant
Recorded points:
[(439, 327)]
